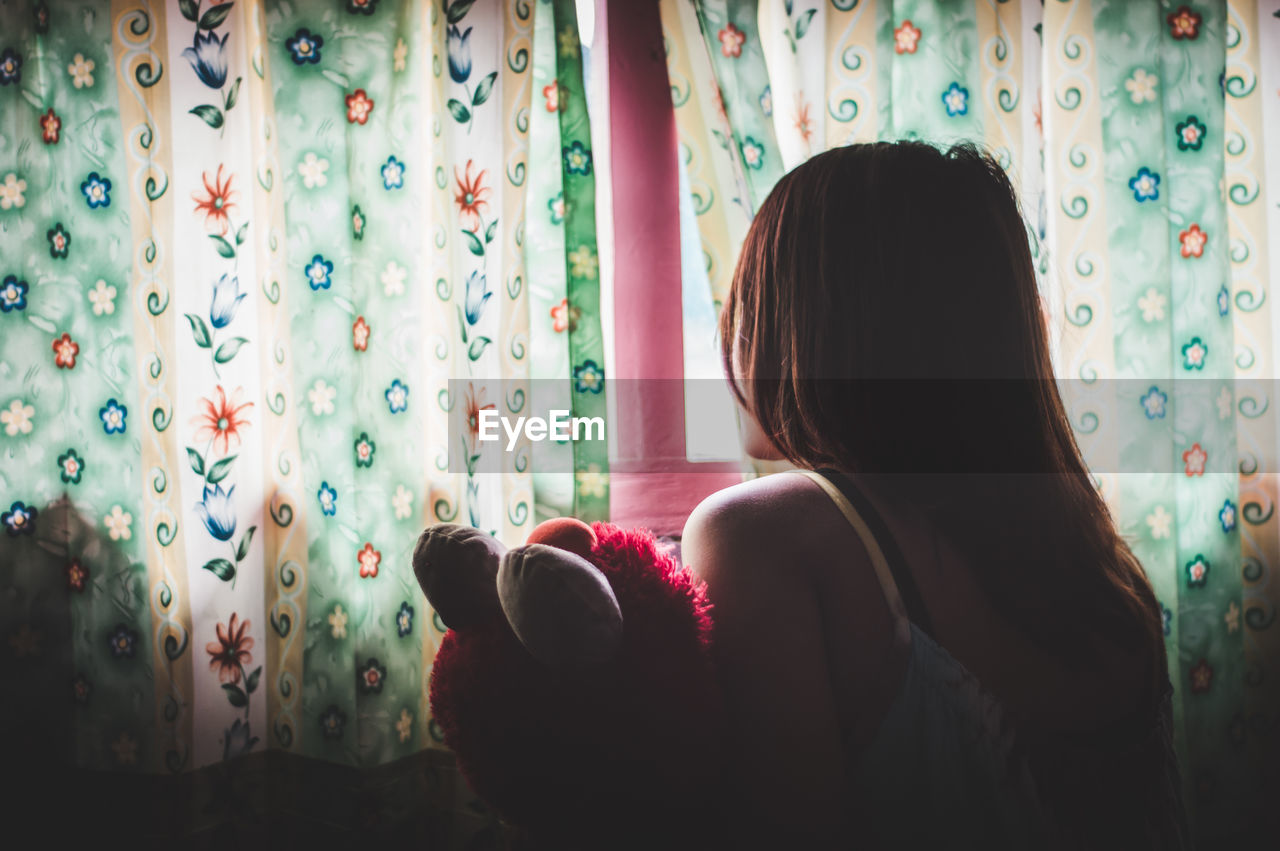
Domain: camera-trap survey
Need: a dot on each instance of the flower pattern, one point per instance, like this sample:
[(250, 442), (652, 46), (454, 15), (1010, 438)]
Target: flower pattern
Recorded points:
[(392, 174), (471, 196), (50, 127), (59, 241), (402, 502), (1201, 674), (1194, 354), (1152, 305), (359, 107), (365, 449), (588, 377), (752, 153), (338, 622), (304, 48), (1194, 460), (70, 467), (577, 158), (360, 334), (102, 298), (1184, 23), (1141, 86), (1193, 241), (1145, 185), (321, 396), (319, 273), (397, 397), (956, 100), (332, 722), (65, 350), (731, 41), (114, 417), (217, 201), (312, 170), (1197, 571), (404, 620), (77, 576), (230, 653), (1154, 402), (119, 524), (10, 67), (81, 71), (17, 418), (583, 262), (13, 294), (371, 677), (328, 498), (20, 519), (12, 192), (1190, 134), (393, 278), (96, 190), (220, 421), (369, 559), (122, 641), (1227, 517), (906, 38)]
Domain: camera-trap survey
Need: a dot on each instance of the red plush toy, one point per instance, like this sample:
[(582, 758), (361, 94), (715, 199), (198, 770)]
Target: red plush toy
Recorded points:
[(574, 684)]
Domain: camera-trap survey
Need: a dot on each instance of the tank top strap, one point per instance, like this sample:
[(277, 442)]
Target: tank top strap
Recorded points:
[(896, 583)]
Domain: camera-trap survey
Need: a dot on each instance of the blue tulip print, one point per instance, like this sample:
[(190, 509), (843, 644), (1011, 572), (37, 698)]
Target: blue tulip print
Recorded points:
[(458, 48), (208, 57)]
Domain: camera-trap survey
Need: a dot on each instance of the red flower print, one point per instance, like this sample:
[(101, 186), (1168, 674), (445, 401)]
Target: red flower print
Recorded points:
[(230, 653), (77, 575), (804, 124), (1193, 241), (471, 196), (369, 561), (1201, 677), (473, 408), (1184, 23), (360, 335), (552, 94), (220, 421), (906, 38), (731, 41), (65, 350), (358, 107), (563, 317), (1195, 459), (216, 202), (51, 127)]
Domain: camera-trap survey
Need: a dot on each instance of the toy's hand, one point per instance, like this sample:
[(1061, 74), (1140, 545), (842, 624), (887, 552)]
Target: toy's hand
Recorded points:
[(457, 567)]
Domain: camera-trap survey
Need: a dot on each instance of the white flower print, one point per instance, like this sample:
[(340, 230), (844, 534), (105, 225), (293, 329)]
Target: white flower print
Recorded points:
[(17, 419), (1152, 305), (103, 298), (402, 502), (1225, 401), (405, 725), (338, 622), (321, 396), (312, 169), (1142, 86), (591, 482), (81, 71), (393, 278), (118, 524), (1159, 521), (399, 55), (11, 192)]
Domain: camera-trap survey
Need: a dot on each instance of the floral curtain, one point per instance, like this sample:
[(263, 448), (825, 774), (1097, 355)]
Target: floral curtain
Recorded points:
[(1136, 135), (255, 255)]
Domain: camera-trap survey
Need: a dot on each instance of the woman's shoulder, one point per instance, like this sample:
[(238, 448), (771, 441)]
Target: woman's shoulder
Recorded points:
[(762, 524)]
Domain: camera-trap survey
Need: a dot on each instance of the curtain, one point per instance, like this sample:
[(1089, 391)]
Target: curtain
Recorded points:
[(1137, 136), (255, 256)]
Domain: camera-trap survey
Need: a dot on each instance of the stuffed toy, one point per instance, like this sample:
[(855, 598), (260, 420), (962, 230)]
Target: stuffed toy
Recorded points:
[(574, 684)]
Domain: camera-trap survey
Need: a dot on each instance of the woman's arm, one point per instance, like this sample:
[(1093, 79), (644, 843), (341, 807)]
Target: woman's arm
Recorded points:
[(786, 759)]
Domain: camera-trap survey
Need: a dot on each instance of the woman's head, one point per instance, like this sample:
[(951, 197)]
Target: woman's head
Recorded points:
[(873, 275), (884, 319)]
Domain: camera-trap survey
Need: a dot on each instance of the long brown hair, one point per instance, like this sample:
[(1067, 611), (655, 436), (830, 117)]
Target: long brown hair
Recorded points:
[(884, 319)]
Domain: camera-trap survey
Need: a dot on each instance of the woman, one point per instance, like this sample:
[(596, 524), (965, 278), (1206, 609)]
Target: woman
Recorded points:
[(939, 638)]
